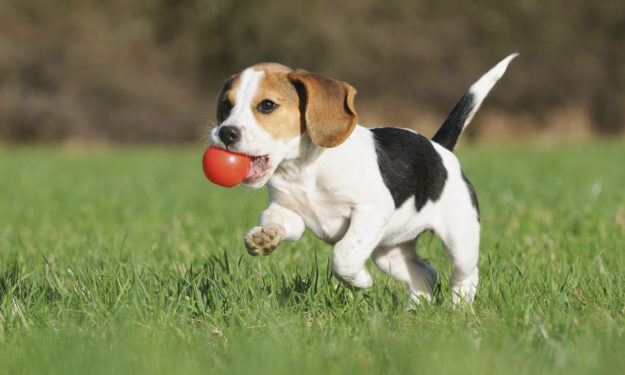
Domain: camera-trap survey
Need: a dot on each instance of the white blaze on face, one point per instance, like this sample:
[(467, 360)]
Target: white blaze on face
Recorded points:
[(241, 116)]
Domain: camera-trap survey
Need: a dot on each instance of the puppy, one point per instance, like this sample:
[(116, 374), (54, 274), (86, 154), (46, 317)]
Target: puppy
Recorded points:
[(367, 192)]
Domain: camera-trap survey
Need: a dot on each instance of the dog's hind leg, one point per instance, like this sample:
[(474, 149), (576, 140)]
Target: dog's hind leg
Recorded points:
[(403, 264), (462, 244)]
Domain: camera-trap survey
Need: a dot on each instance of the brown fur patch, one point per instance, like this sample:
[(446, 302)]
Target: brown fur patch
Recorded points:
[(306, 102), (283, 123), (329, 107), (272, 68)]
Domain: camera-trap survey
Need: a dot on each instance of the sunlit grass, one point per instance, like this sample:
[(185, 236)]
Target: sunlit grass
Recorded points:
[(128, 261)]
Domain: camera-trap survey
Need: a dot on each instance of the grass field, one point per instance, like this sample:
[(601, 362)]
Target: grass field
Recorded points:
[(126, 260)]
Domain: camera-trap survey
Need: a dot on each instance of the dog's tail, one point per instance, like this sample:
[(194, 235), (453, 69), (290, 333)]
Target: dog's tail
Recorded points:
[(463, 112)]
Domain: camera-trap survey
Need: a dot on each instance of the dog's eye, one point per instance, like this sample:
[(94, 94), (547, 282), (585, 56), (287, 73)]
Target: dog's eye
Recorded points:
[(226, 107), (266, 106)]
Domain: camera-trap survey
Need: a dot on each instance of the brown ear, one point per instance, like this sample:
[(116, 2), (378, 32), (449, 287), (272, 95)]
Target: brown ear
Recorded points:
[(326, 106)]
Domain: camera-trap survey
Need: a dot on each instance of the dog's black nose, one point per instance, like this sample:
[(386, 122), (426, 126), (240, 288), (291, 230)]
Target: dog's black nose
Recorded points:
[(229, 135)]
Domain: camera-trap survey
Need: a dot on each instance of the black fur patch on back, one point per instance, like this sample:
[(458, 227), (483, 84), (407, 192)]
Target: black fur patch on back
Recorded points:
[(410, 166), (473, 195)]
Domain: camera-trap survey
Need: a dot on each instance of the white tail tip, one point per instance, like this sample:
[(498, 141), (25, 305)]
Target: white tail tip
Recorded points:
[(481, 88)]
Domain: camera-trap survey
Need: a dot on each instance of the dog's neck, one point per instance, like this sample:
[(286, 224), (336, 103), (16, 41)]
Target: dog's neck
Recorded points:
[(294, 168)]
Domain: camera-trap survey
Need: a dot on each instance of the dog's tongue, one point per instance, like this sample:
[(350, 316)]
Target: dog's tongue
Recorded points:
[(256, 166)]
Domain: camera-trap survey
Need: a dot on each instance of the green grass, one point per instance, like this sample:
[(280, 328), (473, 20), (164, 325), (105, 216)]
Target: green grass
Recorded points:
[(127, 260)]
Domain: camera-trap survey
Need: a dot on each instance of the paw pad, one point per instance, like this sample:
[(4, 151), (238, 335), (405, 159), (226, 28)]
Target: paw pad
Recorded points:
[(263, 241)]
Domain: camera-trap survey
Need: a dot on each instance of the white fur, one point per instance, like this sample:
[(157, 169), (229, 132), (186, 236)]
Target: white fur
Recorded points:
[(482, 87), (339, 194)]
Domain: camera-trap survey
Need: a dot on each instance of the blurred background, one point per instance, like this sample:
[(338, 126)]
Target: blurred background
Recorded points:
[(119, 71)]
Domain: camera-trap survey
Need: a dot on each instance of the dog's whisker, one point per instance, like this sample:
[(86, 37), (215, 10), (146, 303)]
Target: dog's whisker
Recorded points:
[(205, 131)]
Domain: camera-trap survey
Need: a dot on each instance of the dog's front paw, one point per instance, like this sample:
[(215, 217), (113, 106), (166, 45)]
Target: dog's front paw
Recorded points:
[(362, 280), (263, 241)]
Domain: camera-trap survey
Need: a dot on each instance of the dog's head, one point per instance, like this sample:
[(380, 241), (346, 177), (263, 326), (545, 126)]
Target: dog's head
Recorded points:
[(268, 110)]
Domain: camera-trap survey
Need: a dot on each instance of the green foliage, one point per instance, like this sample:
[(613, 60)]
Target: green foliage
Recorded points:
[(127, 260)]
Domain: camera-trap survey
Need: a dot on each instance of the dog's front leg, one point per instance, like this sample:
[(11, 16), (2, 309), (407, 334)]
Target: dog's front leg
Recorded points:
[(353, 250), (277, 223)]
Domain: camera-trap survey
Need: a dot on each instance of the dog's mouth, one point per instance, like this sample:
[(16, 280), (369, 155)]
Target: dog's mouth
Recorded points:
[(259, 167)]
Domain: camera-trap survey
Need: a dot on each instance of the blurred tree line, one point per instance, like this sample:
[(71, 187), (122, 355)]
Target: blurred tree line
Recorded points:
[(149, 71)]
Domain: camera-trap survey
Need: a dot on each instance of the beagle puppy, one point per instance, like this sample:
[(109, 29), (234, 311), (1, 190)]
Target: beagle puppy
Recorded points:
[(367, 192)]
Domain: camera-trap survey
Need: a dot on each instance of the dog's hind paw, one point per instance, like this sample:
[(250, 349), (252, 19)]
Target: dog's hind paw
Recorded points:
[(263, 241)]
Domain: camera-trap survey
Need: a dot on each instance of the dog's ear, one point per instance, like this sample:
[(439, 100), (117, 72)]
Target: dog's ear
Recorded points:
[(326, 107)]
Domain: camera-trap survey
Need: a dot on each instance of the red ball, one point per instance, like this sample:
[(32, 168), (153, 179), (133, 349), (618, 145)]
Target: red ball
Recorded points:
[(225, 168)]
